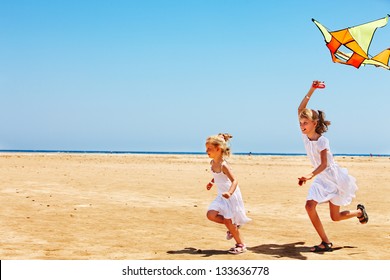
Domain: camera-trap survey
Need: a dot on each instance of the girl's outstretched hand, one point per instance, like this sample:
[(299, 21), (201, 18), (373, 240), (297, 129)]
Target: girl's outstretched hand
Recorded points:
[(210, 184), (303, 179)]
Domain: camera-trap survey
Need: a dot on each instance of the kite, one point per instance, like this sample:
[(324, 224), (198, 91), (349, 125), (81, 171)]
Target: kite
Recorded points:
[(358, 40)]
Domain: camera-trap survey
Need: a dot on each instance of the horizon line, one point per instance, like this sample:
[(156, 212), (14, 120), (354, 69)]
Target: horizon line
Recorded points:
[(175, 153)]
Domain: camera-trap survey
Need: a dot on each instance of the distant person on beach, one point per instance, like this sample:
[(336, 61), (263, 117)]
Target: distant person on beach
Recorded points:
[(228, 207), (332, 183)]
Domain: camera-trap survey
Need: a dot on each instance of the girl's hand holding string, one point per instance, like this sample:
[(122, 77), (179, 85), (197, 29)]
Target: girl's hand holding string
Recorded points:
[(318, 84)]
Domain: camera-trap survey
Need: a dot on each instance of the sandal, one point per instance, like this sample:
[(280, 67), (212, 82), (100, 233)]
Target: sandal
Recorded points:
[(363, 219), (327, 247), (229, 235), (240, 248)]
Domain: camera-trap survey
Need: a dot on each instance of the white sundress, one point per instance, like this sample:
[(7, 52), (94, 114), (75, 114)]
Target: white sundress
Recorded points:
[(334, 184), (231, 208)]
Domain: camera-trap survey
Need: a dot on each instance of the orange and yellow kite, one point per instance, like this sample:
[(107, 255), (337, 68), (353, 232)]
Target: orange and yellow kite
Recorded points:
[(357, 39)]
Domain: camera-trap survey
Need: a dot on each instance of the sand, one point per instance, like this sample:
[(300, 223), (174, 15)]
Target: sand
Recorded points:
[(152, 207)]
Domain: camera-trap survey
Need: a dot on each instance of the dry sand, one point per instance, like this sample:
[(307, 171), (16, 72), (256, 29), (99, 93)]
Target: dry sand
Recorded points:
[(138, 207)]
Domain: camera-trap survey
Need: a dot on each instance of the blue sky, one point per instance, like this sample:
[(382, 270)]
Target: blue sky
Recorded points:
[(163, 75)]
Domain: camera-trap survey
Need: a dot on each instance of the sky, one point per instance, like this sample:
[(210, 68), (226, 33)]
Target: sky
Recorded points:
[(163, 75)]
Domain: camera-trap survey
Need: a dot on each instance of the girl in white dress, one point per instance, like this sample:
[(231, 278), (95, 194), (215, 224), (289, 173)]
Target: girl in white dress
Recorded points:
[(332, 183), (228, 207)]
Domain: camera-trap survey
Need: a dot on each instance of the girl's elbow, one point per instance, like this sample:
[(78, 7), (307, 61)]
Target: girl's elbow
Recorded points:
[(323, 167)]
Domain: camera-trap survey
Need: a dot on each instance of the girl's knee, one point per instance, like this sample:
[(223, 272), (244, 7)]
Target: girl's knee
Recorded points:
[(335, 217), (212, 215), (310, 206), (335, 213)]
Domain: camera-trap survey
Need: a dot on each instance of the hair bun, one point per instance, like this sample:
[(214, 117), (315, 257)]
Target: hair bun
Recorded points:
[(225, 136)]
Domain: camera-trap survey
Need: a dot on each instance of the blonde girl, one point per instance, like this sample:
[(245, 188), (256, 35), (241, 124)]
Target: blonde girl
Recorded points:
[(331, 183), (228, 207)]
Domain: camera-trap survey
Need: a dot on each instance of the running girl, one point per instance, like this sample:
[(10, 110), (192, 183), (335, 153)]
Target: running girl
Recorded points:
[(332, 183), (228, 207)]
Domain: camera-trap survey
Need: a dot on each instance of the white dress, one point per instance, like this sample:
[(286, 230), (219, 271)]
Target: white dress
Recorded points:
[(231, 208), (333, 184)]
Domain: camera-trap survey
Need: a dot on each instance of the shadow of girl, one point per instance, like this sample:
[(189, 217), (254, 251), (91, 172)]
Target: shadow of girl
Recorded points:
[(194, 251), (290, 250)]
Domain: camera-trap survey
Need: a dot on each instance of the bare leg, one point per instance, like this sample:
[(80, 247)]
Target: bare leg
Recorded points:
[(233, 230), (214, 216), (315, 220), (336, 215)]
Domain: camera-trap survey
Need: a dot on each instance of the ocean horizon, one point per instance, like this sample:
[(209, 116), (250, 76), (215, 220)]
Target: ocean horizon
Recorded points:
[(179, 153)]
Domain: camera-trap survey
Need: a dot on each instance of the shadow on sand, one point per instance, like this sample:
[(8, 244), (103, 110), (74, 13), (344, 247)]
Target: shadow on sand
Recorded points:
[(194, 251), (290, 250)]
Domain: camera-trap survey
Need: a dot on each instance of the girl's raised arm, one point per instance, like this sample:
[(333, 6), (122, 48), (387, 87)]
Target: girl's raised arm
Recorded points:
[(305, 100)]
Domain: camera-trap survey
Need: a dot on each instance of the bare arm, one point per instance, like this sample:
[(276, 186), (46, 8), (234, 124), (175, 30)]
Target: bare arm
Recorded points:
[(319, 169), (226, 170), (306, 99)]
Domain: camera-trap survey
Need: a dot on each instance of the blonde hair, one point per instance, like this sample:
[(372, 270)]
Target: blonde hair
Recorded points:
[(318, 116), (222, 141)]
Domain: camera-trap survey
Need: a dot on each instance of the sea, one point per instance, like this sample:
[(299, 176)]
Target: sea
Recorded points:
[(176, 153)]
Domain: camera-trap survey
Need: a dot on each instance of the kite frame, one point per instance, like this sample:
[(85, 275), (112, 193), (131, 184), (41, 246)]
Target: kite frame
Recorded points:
[(357, 57)]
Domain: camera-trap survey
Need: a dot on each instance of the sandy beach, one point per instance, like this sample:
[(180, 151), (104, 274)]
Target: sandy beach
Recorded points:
[(152, 207)]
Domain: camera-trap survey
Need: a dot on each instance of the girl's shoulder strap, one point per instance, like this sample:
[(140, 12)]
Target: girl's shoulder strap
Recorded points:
[(224, 163)]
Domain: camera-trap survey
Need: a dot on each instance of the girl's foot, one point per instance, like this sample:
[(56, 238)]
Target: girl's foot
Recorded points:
[(323, 247), (363, 218), (240, 248), (229, 235)]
